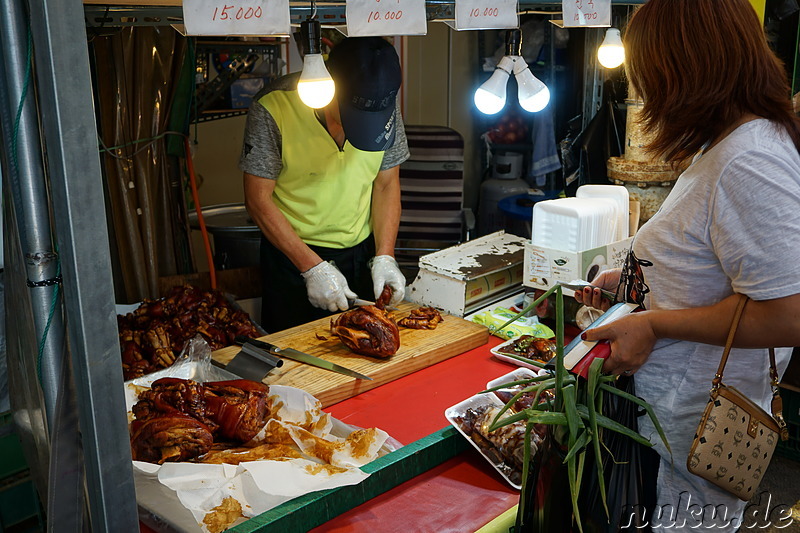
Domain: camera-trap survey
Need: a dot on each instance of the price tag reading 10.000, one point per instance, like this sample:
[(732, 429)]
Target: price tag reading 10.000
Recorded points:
[(385, 17), (236, 17), (486, 14)]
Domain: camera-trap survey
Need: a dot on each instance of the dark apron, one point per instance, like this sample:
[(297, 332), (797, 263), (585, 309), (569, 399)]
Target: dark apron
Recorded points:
[(284, 302)]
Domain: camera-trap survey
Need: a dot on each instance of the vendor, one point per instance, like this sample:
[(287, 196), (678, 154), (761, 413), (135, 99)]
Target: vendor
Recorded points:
[(323, 186)]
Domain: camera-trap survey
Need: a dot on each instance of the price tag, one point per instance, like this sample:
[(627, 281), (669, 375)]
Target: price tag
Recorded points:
[(385, 17), (486, 14), (236, 17), (586, 13)]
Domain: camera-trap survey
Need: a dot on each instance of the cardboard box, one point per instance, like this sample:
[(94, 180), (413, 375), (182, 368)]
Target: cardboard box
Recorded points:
[(544, 267)]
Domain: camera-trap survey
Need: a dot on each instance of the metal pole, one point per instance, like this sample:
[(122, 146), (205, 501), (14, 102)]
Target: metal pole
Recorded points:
[(29, 195), (70, 133)]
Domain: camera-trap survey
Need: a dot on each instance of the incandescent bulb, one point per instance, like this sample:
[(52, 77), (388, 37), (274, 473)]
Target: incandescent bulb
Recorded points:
[(315, 87), (532, 93), (611, 53), (490, 97)]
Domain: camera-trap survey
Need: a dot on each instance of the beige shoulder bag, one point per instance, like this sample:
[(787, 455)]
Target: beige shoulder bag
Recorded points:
[(734, 442)]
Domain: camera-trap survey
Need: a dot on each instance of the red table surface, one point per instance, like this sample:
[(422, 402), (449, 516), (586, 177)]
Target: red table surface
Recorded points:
[(459, 495)]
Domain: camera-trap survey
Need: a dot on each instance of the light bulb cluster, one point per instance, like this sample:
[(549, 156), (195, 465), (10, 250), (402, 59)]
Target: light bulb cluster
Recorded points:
[(611, 53), (315, 86), (532, 93)]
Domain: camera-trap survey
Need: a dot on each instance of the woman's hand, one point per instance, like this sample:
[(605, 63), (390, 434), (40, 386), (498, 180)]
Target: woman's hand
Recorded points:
[(591, 296), (631, 339)]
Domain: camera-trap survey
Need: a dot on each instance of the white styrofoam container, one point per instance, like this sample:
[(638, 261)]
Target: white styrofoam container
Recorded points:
[(574, 224), (544, 267), (475, 402), (619, 194)]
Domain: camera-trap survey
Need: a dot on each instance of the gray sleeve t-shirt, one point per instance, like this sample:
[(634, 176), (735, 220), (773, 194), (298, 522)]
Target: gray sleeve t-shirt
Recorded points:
[(261, 151), (731, 224)]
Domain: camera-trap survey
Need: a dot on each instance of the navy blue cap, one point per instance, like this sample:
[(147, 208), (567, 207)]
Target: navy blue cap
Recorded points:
[(367, 74)]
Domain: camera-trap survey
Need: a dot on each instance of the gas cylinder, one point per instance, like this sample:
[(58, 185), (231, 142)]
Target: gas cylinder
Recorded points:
[(506, 181)]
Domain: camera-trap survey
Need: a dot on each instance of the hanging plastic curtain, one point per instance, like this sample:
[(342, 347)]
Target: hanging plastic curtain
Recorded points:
[(136, 76)]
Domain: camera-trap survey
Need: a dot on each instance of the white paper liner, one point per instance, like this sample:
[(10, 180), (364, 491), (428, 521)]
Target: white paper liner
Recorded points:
[(261, 485)]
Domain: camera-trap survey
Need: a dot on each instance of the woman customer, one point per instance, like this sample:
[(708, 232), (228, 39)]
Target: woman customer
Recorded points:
[(714, 94)]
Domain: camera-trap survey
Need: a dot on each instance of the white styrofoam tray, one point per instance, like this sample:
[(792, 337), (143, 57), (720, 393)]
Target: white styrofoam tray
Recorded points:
[(480, 400)]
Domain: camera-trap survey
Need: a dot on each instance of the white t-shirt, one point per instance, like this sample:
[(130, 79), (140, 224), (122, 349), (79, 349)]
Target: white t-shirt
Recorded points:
[(730, 225)]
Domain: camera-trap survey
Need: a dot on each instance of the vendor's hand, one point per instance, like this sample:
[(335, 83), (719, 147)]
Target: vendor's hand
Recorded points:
[(591, 296), (631, 339), (386, 272), (327, 287)]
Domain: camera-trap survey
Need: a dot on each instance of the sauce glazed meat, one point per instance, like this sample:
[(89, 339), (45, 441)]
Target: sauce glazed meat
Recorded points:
[(369, 329), (180, 419), (422, 318)]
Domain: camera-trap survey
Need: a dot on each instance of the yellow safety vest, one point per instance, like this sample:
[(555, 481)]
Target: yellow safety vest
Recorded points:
[(324, 192)]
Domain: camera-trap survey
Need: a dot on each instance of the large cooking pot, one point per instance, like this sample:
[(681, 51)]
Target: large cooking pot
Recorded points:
[(236, 236)]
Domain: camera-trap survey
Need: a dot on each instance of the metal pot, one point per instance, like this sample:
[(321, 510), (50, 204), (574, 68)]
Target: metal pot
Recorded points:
[(237, 239)]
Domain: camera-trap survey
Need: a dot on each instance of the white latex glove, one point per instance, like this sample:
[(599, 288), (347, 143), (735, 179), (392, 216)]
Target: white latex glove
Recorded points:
[(386, 272), (327, 287)]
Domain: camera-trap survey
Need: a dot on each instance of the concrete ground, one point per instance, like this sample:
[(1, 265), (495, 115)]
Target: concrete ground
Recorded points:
[(782, 482)]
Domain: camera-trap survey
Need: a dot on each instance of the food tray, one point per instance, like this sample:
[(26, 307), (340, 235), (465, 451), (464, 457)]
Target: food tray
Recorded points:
[(504, 357), (160, 507), (515, 375), (479, 400)]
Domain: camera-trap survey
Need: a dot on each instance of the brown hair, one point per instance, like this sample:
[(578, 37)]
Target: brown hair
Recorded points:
[(700, 65)]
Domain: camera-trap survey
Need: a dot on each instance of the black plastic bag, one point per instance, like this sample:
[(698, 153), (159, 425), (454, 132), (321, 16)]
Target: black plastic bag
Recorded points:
[(630, 471)]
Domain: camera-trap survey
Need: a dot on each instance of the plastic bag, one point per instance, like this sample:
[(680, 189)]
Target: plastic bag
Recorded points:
[(495, 318), (630, 471)]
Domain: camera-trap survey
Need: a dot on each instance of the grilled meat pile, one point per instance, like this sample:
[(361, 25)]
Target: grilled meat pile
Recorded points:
[(421, 318), (180, 419), (154, 334), (369, 329), (531, 347)]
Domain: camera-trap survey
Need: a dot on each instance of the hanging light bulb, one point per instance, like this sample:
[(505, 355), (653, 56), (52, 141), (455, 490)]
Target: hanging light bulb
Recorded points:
[(532, 93), (490, 97), (315, 87), (611, 53)]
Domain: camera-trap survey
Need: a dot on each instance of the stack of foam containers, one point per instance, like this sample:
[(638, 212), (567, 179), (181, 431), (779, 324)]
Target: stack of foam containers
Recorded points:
[(596, 217), (619, 194)]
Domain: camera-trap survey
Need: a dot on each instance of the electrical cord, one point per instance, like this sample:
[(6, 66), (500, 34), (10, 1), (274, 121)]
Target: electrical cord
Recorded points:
[(149, 141), (14, 145), (212, 272)]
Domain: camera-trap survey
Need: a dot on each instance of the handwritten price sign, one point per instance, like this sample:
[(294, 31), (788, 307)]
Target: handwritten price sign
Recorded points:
[(236, 17), (385, 17), (486, 14), (586, 13)]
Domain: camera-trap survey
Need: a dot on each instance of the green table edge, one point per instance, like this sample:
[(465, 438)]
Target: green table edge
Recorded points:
[(387, 472)]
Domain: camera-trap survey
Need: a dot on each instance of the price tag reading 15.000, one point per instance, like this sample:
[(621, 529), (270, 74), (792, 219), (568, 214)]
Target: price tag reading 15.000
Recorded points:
[(236, 17), (486, 14)]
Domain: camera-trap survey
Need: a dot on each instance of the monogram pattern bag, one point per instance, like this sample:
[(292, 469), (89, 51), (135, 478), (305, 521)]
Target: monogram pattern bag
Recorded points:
[(734, 442)]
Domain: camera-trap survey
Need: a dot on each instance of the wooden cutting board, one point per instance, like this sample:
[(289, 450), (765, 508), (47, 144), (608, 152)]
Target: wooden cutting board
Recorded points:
[(418, 349)]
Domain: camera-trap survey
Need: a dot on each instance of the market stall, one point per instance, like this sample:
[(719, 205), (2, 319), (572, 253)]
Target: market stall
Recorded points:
[(93, 219)]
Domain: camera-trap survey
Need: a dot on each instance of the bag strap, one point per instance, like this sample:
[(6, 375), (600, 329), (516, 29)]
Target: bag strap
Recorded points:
[(737, 315), (777, 402)]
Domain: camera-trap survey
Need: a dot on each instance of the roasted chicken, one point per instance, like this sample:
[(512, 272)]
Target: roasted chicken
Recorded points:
[(369, 329)]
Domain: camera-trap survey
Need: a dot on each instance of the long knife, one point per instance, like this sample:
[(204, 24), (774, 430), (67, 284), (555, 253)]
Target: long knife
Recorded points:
[(290, 353)]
